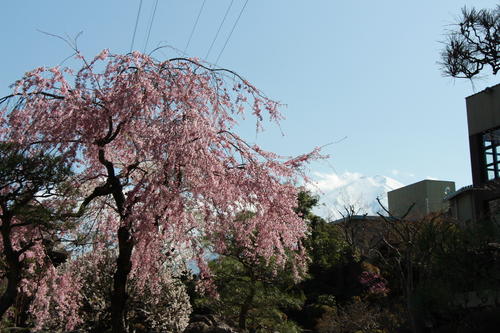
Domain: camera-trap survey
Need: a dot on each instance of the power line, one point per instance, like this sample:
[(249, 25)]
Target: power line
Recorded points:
[(150, 25), (228, 37), (218, 30), (194, 26), (135, 29)]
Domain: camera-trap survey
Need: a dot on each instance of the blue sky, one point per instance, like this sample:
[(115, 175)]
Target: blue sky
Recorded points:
[(359, 74)]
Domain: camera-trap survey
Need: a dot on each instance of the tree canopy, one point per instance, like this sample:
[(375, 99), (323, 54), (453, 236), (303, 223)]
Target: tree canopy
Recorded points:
[(33, 202), (473, 45), (158, 161)]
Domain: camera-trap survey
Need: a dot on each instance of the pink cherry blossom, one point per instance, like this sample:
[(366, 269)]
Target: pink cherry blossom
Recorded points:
[(158, 160)]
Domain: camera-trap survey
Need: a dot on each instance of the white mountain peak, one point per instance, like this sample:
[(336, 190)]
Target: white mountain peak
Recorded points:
[(337, 191)]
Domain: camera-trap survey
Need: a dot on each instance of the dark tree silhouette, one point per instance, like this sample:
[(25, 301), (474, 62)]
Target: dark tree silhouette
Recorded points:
[(31, 181), (473, 45)]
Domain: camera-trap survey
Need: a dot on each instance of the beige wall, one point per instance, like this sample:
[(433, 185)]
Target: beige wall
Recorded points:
[(427, 195)]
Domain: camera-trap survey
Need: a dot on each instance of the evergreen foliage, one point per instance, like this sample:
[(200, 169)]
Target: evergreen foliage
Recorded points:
[(473, 45)]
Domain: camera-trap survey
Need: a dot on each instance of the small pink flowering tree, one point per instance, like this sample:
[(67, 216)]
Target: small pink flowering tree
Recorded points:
[(154, 148), (373, 283)]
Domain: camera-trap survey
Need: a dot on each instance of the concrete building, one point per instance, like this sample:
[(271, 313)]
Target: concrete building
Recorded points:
[(426, 196), (481, 200)]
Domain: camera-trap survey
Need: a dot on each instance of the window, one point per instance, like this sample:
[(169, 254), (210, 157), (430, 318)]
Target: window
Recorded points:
[(491, 149)]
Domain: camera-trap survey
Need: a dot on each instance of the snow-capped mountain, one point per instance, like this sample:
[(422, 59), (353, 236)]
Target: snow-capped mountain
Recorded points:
[(337, 191)]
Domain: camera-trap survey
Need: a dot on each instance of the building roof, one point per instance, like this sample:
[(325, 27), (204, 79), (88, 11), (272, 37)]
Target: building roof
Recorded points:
[(487, 89), (461, 190), (358, 218)]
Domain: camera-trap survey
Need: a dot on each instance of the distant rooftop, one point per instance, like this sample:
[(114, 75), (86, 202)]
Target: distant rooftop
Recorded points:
[(357, 218)]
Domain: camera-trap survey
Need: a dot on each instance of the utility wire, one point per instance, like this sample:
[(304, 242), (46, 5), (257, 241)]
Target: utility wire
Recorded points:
[(228, 37), (218, 30), (194, 26), (135, 29), (150, 25)]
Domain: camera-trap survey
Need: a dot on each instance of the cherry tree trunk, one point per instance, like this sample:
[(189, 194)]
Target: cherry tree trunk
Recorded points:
[(9, 296), (242, 322), (123, 267), (13, 269)]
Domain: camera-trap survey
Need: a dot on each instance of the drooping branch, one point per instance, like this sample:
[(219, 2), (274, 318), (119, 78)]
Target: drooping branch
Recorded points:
[(42, 93)]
